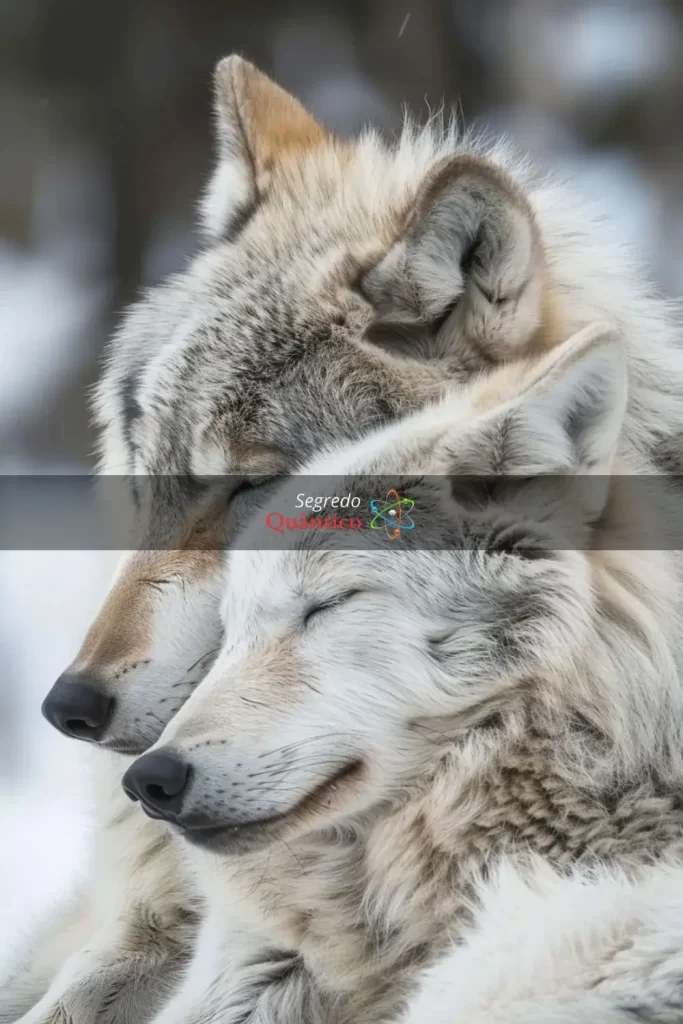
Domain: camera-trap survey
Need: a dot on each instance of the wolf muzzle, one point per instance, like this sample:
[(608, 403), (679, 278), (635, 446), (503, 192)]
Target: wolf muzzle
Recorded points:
[(159, 781), (77, 707)]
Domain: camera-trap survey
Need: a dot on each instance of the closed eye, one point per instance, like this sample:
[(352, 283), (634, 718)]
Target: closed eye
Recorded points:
[(256, 487), (248, 483), (159, 582), (329, 605)]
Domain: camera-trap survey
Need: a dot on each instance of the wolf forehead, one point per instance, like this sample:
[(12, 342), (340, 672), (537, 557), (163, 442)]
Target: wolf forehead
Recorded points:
[(260, 332)]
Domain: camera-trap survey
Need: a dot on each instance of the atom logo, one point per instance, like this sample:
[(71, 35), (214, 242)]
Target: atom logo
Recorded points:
[(392, 515)]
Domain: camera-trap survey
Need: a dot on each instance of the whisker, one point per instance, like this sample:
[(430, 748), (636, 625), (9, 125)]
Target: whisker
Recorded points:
[(203, 658), (300, 743)]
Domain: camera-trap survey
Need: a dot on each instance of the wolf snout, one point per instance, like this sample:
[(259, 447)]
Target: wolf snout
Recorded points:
[(77, 707), (159, 780)]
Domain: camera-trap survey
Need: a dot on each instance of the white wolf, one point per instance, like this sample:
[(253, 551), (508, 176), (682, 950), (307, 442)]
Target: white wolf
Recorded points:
[(382, 727), (343, 283)]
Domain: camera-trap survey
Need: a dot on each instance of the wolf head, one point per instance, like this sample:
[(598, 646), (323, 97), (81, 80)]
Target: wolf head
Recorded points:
[(342, 284), (340, 667)]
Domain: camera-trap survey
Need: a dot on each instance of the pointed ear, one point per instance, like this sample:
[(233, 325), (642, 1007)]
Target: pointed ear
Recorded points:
[(470, 262), (257, 125), (579, 396), (566, 418)]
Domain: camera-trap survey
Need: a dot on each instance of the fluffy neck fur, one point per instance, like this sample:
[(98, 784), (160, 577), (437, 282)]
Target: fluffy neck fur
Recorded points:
[(576, 769)]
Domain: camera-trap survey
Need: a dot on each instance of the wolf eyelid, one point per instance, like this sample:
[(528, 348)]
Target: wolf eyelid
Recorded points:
[(250, 483), (329, 605), (245, 484), (162, 581), (158, 584), (242, 487)]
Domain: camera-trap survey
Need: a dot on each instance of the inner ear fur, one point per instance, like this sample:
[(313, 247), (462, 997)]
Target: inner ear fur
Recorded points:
[(469, 264)]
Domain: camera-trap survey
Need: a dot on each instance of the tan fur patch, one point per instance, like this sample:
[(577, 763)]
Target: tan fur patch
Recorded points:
[(122, 631), (497, 388), (275, 124), (551, 330), (513, 379), (268, 681)]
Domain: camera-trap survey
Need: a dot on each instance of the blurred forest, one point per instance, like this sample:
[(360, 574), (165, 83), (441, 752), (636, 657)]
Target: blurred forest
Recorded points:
[(105, 119)]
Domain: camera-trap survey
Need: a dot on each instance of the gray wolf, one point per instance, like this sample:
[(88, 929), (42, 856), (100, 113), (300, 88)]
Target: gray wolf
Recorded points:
[(341, 285), (382, 729)]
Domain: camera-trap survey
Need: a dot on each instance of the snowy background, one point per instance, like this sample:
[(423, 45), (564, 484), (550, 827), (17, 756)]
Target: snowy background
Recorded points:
[(104, 120)]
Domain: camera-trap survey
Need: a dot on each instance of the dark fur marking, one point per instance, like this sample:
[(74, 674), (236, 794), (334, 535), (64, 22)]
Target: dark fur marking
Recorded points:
[(124, 815), (153, 850), (131, 408), (643, 1014), (514, 540), (240, 219)]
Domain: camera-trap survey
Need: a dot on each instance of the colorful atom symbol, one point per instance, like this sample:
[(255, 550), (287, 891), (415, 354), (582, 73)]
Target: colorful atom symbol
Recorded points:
[(392, 514)]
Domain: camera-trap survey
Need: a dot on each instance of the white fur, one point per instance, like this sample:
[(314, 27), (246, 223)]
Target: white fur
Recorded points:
[(589, 947)]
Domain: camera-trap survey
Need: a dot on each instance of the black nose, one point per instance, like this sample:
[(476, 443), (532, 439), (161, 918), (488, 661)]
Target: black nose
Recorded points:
[(77, 708), (158, 780)]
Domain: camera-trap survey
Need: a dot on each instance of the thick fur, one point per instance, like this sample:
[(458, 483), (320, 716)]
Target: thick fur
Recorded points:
[(135, 932), (545, 948), (341, 286), (36, 966), (382, 729)]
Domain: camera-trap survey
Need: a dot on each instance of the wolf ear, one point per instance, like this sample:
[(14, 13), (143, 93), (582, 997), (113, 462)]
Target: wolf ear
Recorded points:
[(257, 124), (579, 396), (566, 417), (470, 263)]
